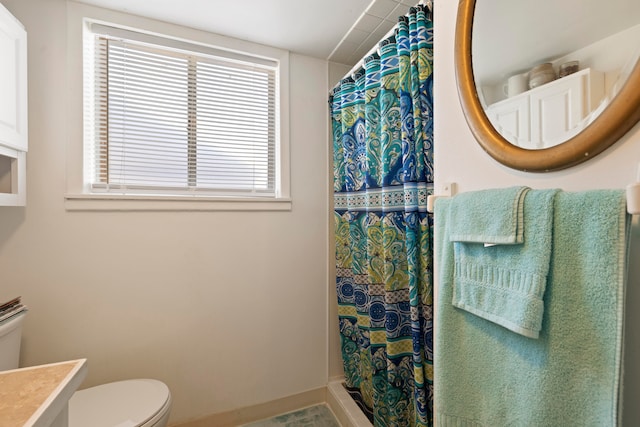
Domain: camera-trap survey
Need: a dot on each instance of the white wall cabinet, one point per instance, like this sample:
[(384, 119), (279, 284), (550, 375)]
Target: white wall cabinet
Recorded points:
[(13, 110), (549, 114)]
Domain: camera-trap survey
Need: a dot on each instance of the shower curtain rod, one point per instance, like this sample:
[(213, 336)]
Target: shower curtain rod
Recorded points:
[(360, 63), (371, 51)]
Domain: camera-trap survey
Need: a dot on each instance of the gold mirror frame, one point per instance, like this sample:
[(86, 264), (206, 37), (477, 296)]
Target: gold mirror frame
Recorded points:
[(622, 113)]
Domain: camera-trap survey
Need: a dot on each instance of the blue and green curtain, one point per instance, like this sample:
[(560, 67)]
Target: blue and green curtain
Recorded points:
[(382, 122)]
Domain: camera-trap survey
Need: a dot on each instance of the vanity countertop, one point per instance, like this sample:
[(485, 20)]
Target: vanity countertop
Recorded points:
[(38, 395)]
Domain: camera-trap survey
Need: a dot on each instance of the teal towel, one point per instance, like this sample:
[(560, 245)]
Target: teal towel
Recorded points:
[(488, 376), (488, 216), (505, 283)]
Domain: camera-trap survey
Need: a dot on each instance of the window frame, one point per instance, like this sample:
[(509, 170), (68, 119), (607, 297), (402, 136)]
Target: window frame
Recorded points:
[(79, 195)]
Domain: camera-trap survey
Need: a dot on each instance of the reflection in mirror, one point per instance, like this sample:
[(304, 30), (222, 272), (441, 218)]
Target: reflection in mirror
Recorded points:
[(545, 70), (619, 114)]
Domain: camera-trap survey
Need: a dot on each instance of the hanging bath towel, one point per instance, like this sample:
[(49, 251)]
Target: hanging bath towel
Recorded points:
[(502, 248), (489, 376)]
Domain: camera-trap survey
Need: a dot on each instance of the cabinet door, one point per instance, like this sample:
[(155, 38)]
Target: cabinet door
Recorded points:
[(556, 110), (511, 119), (13, 82)]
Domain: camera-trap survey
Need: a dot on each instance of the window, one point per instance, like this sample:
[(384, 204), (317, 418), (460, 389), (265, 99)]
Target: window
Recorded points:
[(166, 117)]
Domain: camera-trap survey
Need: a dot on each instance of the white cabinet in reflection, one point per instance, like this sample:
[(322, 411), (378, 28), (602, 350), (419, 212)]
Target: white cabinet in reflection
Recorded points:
[(549, 114), (13, 110), (512, 118)]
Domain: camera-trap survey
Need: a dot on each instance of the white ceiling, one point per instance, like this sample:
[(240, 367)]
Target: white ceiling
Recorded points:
[(339, 30), (516, 34)]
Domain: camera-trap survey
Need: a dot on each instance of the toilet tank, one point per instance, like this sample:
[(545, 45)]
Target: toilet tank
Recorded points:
[(10, 336)]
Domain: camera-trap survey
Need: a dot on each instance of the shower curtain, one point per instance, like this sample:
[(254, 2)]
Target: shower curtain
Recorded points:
[(382, 123)]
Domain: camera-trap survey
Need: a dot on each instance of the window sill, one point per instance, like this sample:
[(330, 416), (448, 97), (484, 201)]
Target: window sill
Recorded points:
[(113, 202)]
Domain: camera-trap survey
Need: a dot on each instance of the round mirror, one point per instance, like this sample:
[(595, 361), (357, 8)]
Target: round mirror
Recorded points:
[(546, 85)]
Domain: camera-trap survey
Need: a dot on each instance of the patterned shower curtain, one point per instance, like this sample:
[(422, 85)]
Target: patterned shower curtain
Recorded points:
[(382, 121)]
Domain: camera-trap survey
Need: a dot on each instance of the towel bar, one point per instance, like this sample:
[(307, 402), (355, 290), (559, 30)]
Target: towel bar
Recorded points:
[(449, 190), (633, 197)]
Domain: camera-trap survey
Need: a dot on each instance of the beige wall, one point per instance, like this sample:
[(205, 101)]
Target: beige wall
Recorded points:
[(336, 72), (460, 159), (228, 308)]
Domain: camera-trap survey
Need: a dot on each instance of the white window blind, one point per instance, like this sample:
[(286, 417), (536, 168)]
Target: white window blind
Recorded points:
[(170, 120)]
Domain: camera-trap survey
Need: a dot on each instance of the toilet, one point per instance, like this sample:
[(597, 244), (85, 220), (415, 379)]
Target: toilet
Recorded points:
[(129, 403)]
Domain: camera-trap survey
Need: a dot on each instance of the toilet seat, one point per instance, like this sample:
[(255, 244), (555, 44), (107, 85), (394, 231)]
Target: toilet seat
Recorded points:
[(130, 403)]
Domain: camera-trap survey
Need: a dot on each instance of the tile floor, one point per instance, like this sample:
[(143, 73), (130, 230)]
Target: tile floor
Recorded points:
[(313, 416)]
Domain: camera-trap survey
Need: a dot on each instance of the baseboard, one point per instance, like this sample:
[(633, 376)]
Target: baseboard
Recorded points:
[(259, 412), (333, 395)]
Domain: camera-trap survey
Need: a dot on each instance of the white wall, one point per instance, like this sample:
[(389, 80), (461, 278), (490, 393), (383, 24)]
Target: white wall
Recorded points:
[(460, 159), (228, 308)]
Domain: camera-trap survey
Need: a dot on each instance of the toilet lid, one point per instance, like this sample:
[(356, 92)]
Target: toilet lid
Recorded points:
[(119, 404)]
